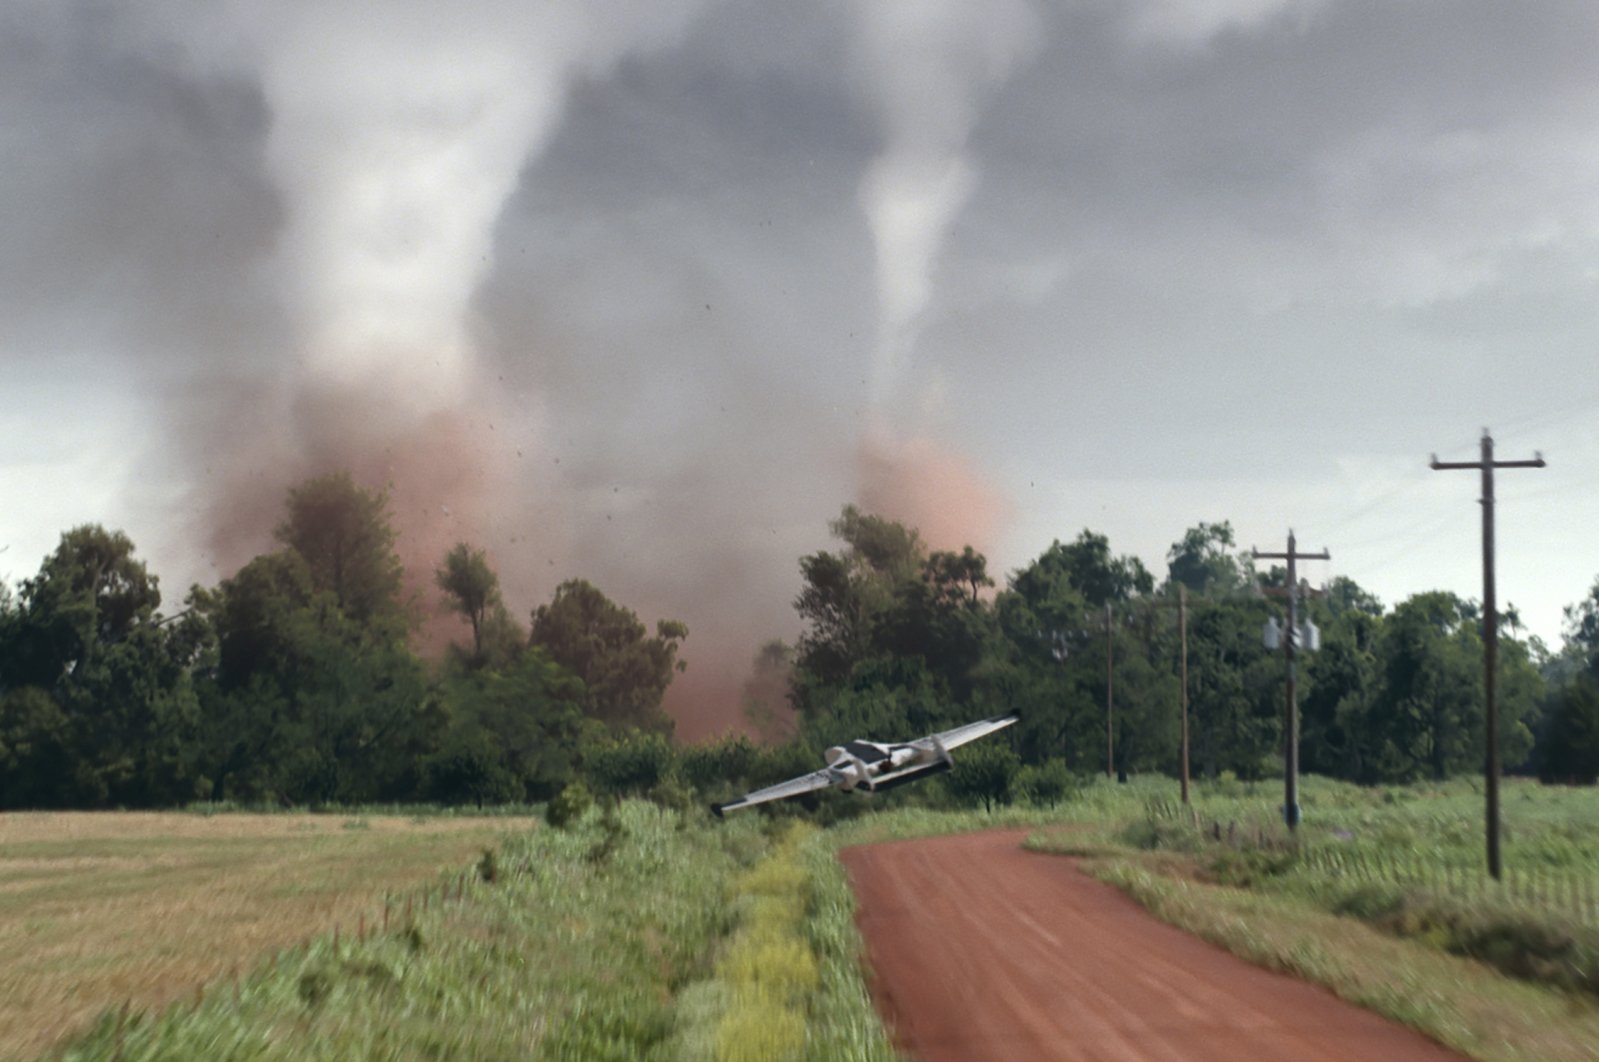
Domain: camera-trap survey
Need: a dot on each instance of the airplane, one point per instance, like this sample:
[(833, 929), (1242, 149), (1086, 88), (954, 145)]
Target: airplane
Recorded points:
[(873, 767)]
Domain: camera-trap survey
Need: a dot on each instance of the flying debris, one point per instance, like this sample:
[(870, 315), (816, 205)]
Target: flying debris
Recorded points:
[(873, 767)]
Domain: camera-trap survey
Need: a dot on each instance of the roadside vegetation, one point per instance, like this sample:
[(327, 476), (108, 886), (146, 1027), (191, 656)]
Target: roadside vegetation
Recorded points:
[(1383, 898), (635, 932), (139, 909)]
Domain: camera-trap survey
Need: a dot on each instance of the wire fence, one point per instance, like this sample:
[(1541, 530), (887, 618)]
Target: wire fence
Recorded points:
[(1571, 892)]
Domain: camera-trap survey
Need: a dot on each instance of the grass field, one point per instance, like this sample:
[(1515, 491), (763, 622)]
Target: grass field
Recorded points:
[(639, 933), (102, 909), (1383, 898), (657, 934)]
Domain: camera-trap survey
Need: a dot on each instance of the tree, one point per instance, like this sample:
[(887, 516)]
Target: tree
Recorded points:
[(1345, 596), (38, 758), (1427, 712), (846, 594), (1582, 628), (519, 724), (624, 671), (765, 696), (343, 533), (472, 589), (110, 680), (720, 769), (1235, 689), (630, 764), (305, 703), (1203, 560), (893, 638), (1340, 687), (984, 772), (1045, 784), (1571, 746), (1091, 569), (959, 578)]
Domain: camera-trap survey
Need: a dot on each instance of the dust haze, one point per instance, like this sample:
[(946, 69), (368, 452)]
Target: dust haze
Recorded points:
[(384, 146)]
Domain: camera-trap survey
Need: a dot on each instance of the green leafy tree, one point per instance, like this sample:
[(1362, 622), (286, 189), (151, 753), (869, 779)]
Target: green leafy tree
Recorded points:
[(1205, 560), (1427, 712), (470, 770), (1339, 689), (1235, 689), (38, 759), (983, 773), (1582, 628), (472, 589), (1048, 659), (845, 595), (344, 534), (630, 764), (1046, 784), (625, 672), (248, 692), (86, 634), (718, 769), (1345, 596), (894, 639), (1570, 751), (1088, 565), (520, 723), (314, 695), (765, 698)]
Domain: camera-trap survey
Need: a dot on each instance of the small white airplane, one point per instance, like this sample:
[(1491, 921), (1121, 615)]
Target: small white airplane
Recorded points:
[(873, 767)]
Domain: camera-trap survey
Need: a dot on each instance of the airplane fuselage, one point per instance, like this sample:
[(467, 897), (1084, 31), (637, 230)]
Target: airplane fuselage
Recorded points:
[(860, 763)]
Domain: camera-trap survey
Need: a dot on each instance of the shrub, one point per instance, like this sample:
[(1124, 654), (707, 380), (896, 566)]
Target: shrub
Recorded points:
[(488, 868), (1247, 867), (570, 805)]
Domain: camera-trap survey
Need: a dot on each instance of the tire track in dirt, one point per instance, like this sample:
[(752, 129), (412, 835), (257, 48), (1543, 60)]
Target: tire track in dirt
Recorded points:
[(981, 950)]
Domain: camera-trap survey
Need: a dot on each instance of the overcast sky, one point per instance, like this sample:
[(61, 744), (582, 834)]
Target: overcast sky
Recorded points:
[(645, 291)]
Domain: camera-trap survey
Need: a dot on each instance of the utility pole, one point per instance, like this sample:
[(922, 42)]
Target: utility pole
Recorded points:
[(1291, 711), (1490, 627), (1110, 739), (1182, 626)]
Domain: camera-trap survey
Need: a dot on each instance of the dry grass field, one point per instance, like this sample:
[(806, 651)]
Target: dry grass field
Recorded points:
[(101, 908)]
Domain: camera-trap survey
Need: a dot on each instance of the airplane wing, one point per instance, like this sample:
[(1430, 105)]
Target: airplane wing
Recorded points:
[(950, 739), (805, 783)]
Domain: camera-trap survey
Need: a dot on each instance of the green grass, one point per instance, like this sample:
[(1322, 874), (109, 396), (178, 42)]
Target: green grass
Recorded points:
[(98, 909), (1382, 897), (578, 950), (656, 934), (1462, 1004)]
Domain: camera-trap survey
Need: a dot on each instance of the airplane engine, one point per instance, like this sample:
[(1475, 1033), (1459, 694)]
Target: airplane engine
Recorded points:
[(852, 770), (902, 756)]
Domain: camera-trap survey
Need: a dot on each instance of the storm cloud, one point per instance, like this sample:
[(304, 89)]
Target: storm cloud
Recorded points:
[(644, 292)]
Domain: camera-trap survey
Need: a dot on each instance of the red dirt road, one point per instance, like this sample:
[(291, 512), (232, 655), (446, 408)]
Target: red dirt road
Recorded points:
[(981, 950)]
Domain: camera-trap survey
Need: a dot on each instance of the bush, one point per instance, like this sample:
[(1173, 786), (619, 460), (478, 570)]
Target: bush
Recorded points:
[(1047, 784), (570, 805), (1247, 867), (629, 766), (1542, 948)]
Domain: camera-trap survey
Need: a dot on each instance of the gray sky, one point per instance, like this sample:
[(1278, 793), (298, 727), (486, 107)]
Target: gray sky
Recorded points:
[(646, 291)]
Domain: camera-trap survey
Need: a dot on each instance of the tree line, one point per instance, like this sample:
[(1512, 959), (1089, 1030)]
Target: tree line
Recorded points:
[(295, 680)]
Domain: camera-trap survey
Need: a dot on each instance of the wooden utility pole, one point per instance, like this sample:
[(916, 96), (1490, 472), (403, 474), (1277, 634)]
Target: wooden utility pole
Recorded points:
[(1291, 709), (1490, 628), (1110, 739), (1182, 626)]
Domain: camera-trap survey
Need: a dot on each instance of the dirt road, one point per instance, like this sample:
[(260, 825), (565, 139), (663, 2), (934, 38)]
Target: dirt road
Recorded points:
[(983, 951)]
